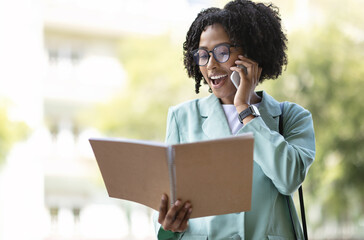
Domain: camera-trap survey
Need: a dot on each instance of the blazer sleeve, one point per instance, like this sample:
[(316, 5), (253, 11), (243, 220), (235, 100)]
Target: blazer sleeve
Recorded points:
[(285, 160), (172, 137)]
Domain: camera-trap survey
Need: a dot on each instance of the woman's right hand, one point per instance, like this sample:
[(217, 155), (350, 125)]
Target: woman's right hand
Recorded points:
[(176, 217), (248, 80)]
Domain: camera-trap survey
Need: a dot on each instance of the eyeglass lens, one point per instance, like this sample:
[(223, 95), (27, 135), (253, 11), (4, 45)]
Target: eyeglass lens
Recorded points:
[(221, 54)]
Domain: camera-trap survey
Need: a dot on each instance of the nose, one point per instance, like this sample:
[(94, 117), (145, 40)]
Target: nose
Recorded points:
[(211, 64)]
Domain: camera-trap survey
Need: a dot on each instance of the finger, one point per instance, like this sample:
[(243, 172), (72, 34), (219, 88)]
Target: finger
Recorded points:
[(243, 62), (184, 224), (181, 216), (246, 67), (163, 208), (260, 73), (171, 215), (255, 74), (245, 70), (241, 69), (248, 60), (254, 69)]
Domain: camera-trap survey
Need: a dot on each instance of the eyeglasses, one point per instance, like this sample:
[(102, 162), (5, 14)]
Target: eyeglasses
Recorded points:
[(221, 54)]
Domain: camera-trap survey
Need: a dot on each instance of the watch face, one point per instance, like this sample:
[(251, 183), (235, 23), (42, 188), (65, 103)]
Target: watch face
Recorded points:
[(256, 112)]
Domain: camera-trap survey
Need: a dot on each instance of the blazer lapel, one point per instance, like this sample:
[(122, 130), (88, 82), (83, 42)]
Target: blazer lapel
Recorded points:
[(215, 124), (270, 110)]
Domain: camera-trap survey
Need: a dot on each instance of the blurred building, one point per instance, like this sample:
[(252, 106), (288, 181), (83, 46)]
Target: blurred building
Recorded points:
[(58, 58)]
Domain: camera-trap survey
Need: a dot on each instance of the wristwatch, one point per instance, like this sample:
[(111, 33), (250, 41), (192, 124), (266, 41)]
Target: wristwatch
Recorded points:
[(251, 110)]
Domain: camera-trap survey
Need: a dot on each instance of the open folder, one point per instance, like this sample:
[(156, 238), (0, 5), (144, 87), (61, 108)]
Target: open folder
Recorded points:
[(214, 175)]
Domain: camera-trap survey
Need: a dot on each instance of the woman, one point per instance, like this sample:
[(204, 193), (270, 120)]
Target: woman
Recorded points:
[(245, 37)]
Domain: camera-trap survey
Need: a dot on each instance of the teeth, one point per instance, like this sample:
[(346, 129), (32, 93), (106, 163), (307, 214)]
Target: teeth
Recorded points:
[(218, 76)]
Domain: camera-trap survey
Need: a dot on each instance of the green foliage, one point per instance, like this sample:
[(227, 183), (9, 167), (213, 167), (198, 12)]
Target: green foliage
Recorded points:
[(156, 80), (325, 75), (10, 132)]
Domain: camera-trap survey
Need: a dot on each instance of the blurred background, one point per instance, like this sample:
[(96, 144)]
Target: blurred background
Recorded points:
[(75, 69)]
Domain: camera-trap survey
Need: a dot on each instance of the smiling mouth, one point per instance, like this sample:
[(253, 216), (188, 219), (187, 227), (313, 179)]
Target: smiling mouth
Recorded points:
[(216, 80)]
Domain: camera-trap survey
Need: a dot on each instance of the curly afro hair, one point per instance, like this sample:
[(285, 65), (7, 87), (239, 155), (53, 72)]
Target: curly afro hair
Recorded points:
[(255, 27)]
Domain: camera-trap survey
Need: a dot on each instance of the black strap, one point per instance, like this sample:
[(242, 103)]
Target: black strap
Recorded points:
[(303, 216), (290, 216), (300, 192)]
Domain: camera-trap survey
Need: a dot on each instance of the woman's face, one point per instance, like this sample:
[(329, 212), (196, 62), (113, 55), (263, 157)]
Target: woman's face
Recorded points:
[(218, 74)]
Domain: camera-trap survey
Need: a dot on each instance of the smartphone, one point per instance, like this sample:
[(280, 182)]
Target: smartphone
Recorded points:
[(235, 78)]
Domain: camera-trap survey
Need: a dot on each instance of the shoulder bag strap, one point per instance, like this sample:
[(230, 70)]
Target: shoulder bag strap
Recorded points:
[(300, 192)]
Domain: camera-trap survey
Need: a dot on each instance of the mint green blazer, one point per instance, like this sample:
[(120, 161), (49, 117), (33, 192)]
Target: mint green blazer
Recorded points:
[(280, 166)]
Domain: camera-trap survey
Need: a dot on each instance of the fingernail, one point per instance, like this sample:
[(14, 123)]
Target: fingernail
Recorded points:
[(188, 205), (190, 210), (177, 203), (163, 197)]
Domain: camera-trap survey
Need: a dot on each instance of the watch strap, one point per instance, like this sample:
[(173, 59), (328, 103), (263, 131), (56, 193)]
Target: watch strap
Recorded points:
[(244, 114), (251, 110)]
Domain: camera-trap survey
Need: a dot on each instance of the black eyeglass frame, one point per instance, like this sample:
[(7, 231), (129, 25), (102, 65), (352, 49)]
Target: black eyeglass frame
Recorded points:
[(193, 52)]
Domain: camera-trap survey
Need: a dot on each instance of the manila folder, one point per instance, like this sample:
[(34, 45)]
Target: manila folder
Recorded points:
[(133, 170), (214, 175)]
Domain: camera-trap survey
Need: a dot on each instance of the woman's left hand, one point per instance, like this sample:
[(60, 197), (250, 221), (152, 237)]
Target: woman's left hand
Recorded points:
[(245, 93)]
